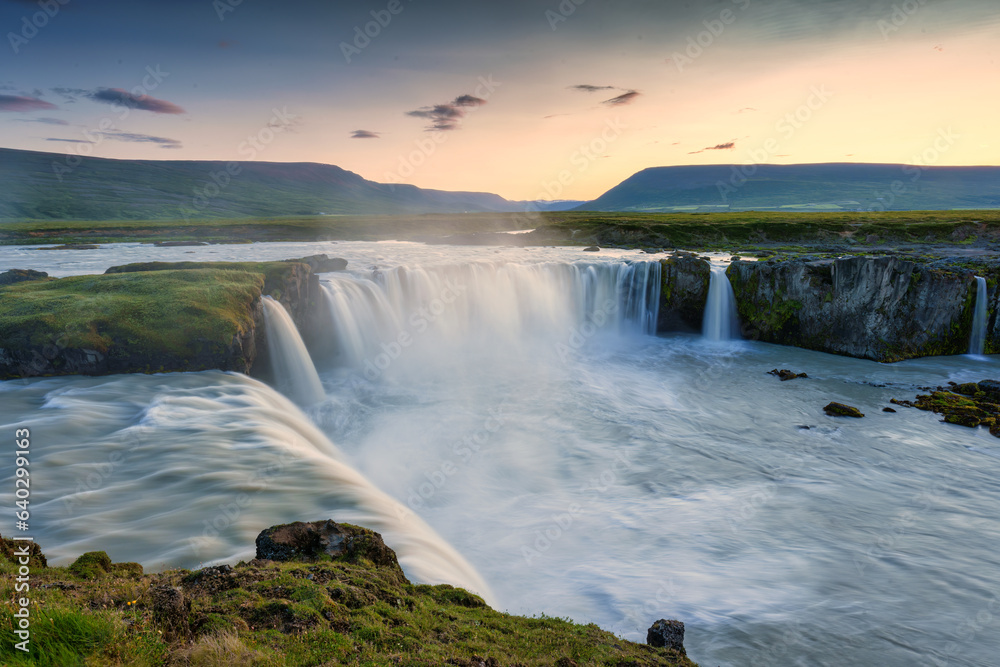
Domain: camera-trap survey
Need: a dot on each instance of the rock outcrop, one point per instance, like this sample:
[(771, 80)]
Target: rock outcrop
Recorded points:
[(879, 308), (684, 292), (20, 275), (311, 541)]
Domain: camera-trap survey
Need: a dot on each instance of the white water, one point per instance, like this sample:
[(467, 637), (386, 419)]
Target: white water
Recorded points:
[(977, 342), (292, 366), (722, 322), (692, 492)]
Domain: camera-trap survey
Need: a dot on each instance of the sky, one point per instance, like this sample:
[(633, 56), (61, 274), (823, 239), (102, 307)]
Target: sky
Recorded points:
[(545, 99)]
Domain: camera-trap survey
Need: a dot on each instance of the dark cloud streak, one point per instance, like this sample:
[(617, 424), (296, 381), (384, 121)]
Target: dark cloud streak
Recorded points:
[(21, 103), (447, 117), (120, 97)]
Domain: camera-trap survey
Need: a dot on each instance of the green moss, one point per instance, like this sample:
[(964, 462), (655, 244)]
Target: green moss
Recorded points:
[(183, 314), (91, 565), (277, 614)]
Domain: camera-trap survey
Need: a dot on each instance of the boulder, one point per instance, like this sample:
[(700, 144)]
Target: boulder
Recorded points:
[(841, 410), (322, 263), (666, 634), (20, 275), (592, 248), (169, 607), (301, 541), (786, 374)]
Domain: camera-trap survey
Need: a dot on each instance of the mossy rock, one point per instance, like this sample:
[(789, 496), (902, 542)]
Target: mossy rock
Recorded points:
[(92, 565), (841, 410), (9, 547), (127, 570)]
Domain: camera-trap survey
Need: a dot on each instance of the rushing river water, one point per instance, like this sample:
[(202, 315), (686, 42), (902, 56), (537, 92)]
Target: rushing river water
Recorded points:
[(522, 437)]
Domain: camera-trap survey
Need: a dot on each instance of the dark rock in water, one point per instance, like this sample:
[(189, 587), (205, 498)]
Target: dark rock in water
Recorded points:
[(803, 427), (309, 541), (20, 276), (786, 374), (840, 410), (592, 248), (322, 263), (684, 281), (73, 246), (666, 634), (178, 244), (887, 410), (735, 258)]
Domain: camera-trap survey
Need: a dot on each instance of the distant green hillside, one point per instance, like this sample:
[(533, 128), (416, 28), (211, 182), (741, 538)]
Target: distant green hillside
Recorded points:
[(804, 187), (50, 186)]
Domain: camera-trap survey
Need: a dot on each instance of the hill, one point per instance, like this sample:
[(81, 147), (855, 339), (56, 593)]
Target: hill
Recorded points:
[(50, 186), (803, 187)]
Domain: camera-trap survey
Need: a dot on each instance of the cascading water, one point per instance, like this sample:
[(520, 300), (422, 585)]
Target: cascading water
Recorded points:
[(722, 322), (487, 306), (977, 342), (293, 368)]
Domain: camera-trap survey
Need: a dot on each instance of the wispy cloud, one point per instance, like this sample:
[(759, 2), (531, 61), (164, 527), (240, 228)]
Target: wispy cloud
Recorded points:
[(624, 98), (21, 103), (728, 146), (144, 102), (583, 87), (365, 134), (132, 137), (46, 121), (447, 116), (70, 141)]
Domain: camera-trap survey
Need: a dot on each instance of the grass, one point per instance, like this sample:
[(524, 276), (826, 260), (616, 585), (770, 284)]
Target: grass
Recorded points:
[(701, 230), (179, 314), (263, 613)]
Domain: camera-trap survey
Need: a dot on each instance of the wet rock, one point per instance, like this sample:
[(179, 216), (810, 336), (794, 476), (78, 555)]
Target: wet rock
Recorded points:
[(20, 276), (301, 541), (683, 292), (592, 248), (786, 374), (178, 244), (835, 409), (666, 634), (73, 246), (887, 410), (322, 263)]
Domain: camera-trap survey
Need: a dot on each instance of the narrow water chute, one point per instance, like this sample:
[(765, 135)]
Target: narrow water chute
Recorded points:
[(292, 367), (721, 322)]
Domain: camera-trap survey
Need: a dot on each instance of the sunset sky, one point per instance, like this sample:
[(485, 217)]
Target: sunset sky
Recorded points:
[(505, 96)]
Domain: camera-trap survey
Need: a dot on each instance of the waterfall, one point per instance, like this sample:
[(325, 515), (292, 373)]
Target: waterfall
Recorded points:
[(721, 322), (293, 369), (977, 341), (486, 306)]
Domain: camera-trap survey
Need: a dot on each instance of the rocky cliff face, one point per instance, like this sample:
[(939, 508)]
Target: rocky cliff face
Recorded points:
[(683, 293), (881, 308)]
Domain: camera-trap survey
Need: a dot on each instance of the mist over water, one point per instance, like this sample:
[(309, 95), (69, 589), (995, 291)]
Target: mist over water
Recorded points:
[(508, 430)]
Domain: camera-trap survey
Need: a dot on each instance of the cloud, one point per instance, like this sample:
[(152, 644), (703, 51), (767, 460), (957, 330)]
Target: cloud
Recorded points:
[(46, 121), (124, 98), (728, 146), (20, 103), (365, 134), (447, 116), (142, 139), (70, 141), (624, 98), (590, 89)]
